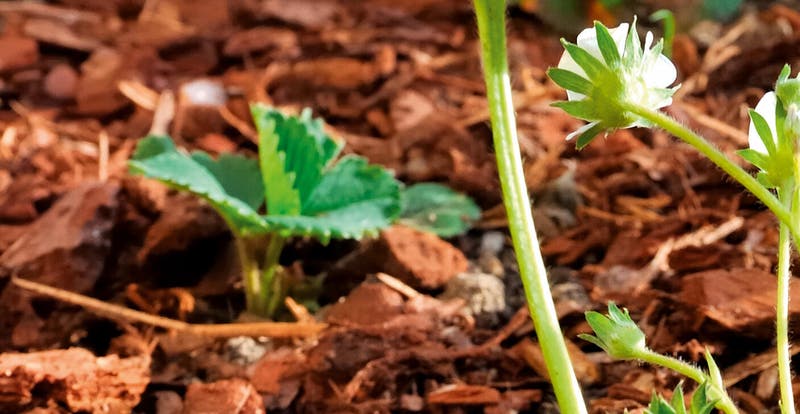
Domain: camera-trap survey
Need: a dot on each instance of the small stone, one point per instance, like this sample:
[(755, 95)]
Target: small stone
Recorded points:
[(244, 350), (61, 81), (492, 242), (483, 294)]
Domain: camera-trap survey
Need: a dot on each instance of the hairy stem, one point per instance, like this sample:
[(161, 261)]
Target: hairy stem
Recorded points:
[(491, 28), (717, 157), (725, 404), (785, 193)]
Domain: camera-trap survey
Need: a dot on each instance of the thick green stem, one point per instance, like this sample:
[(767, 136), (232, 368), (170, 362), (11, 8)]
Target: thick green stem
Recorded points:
[(491, 28), (725, 404), (251, 272), (272, 278), (786, 193)]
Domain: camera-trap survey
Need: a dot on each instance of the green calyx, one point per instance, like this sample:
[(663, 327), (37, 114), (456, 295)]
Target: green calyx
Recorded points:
[(610, 82), (617, 333)]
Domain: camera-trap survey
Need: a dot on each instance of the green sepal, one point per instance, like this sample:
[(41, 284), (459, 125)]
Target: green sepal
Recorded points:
[(593, 67), (763, 130), (633, 46), (437, 209), (581, 109), (701, 403), (570, 81), (607, 45), (677, 400), (588, 136), (616, 333), (759, 160)]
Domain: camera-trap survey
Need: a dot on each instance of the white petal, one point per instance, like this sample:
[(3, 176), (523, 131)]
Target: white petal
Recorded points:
[(581, 130), (765, 108), (661, 73), (648, 40)]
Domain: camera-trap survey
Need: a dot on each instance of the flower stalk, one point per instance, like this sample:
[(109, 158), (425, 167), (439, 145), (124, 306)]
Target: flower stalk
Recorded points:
[(784, 275), (491, 29)]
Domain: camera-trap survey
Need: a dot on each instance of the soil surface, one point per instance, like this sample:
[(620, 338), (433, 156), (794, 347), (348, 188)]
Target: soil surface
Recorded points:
[(406, 322)]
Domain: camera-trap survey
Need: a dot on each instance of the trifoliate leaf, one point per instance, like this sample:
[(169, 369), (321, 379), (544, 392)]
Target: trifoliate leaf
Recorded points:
[(293, 152), (238, 175), (182, 172), (437, 209)]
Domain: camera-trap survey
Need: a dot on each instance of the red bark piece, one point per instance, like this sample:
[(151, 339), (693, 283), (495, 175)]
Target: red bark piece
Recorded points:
[(420, 259), (66, 247), (225, 396), (464, 395), (737, 299), (368, 304), (17, 52), (72, 377), (278, 375)]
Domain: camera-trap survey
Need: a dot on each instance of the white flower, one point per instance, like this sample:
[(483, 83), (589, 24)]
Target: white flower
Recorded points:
[(607, 71), (765, 108)]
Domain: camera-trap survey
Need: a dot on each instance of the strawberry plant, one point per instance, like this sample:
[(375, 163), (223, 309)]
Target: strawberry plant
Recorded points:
[(306, 189)]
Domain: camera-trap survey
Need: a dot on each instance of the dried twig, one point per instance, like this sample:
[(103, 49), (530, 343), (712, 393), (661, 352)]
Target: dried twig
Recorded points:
[(268, 329)]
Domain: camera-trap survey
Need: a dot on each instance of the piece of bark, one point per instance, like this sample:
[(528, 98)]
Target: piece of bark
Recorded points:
[(463, 394), (17, 52), (225, 396), (73, 378), (368, 304), (420, 259), (67, 246), (739, 300)]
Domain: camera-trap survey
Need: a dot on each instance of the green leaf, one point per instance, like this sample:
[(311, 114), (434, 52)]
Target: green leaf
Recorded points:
[(607, 45), (353, 197), (762, 127), (570, 81), (182, 172), (152, 145), (293, 153), (238, 175), (437, 209), (588, 136), (590, 64)]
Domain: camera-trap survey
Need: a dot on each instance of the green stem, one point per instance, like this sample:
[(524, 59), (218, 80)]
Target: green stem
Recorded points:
[(491, 28), (785, 193), (251, 276), (272, 280), (717, 157), (725, 404)]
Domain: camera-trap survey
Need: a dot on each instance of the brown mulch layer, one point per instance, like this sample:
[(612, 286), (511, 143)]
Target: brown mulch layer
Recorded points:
[(636, 218)]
